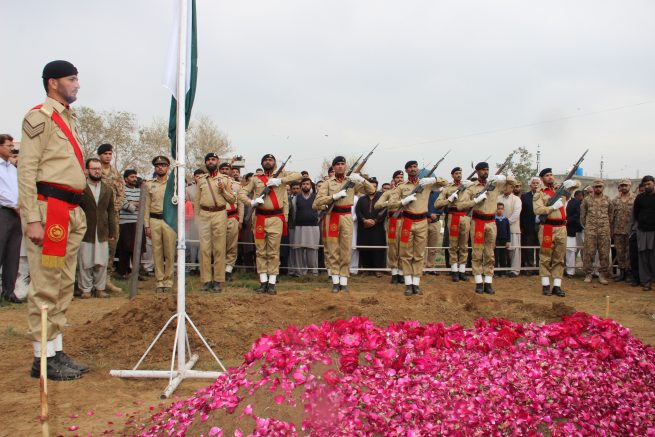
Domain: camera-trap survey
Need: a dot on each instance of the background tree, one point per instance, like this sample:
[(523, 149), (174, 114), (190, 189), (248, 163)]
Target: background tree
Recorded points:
[(522, 166)]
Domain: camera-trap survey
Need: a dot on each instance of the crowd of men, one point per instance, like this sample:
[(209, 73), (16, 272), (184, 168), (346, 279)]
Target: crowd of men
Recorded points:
[(73, 216)]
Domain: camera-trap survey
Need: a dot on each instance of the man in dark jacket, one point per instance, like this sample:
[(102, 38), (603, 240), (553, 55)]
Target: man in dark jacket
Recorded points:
[(574, 232), (529, 228), (644, 214), (370, 231), (98, 206)]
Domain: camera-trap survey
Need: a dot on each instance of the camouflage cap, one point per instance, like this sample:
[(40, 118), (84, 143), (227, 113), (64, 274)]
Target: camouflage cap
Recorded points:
[(598, 182), (627, 182)]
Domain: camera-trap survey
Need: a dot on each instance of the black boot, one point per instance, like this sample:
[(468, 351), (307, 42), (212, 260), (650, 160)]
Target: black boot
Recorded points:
[(68, 361), (488, 289), (462, 277), (263, 287), (416, 289), (335, 288), (216, 288), (343, 288), (557, 291), (228, 276), (271, 289), (409, 290), (620, 277), (546, 290), (455, 276), (56, 370), (206, 286), (394, 279), (479, 288)]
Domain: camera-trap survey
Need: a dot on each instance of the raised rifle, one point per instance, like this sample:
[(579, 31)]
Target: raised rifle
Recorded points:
[(419, 189), (462, 187), (356, 168), (267, 189), (491, 185), (561, 191)]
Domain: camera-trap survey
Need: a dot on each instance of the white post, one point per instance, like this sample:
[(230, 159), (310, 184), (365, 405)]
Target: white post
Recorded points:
[(181, 186)]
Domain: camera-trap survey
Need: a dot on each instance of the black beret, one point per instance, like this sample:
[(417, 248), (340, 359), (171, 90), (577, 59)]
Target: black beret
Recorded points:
[(338, 159), (223, 165), (410, 163), (105, 148), (455, 169), (128, 172), (481, 165), (545, 171), (161, 160), (210, 155), (57, 69), (267, 156), (397, 173)]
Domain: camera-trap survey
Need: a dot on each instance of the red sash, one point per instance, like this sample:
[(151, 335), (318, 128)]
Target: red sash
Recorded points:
[(478, 226), (261, 219), (551, 193), (335, 216), (453, 230), (55, 235), (547, 238), (406, 228), (393, 227), (232, 212)]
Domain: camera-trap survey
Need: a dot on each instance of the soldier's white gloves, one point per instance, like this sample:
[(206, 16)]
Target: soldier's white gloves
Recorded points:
[(340, 195), (498, 178), (409, 199), (466, 183), (257, 201), (274, 182), (427, 181), (480, 198), (558, 204), (452, 197), (569, 183), (356, 178)]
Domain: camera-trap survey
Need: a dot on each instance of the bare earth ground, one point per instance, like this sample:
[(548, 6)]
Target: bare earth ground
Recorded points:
[(113, 333)]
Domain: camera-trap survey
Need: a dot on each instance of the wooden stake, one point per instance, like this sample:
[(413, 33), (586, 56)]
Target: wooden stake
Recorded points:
[(607, 307), (43, 380)]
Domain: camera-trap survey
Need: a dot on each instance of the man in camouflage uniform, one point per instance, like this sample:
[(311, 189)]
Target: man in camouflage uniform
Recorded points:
[(111, 177), (620, 227), (393, 230), (595, 214), (458, 224), (483, 225)]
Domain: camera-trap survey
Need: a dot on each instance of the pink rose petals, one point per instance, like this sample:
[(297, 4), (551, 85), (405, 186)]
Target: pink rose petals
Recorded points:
[(582, 376)]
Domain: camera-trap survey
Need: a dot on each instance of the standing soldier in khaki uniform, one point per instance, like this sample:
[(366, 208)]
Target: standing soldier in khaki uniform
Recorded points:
[(234, 222), (270, 222), (339, 222), (393, 229), (50, 184), (620, 227), (163, 237), (458, 224), (111, 177), (595, 214), (552, 232), (214, 194), (483, 225), (414, 227)]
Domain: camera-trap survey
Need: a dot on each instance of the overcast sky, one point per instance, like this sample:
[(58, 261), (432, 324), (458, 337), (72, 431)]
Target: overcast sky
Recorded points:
[(320, 78)]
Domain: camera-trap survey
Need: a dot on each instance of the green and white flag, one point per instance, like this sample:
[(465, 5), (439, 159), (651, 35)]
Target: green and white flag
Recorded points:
[(172, 69)]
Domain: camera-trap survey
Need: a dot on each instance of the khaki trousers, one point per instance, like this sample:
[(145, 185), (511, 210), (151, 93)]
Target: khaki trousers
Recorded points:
[(164, 240), (231, 242), (458, 247), (339, 251), (268, 249), (212, 230), (483, 257), (412, 253), (551, 262), (393, 249), (434, 240), (53, 287)]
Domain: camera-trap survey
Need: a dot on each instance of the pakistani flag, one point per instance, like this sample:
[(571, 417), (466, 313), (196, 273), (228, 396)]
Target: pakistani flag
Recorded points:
[(190, 39)]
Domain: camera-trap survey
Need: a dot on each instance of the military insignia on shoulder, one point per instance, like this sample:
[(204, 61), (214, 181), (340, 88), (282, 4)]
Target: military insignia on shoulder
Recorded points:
[(33, 131)]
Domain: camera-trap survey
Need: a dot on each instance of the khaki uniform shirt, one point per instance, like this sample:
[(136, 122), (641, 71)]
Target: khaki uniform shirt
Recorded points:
[(154, 199), (540, 200), (46, 156), (333, 186), (255, 187), (420, 205), (621, 214), (223, 196), (442, 200), (111, 177), (383, 201), (487, 206), (595, 214)]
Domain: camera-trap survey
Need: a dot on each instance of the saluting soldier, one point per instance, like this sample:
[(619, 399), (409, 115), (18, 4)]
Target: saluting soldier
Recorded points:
[(552, 232), (414, 228), (50, 185), (234, 223), (393, 229), (163, 237), (111, 177), (339, 223), (270, 221), (483, 224), (214, 195), (458, 224), (620, 227)]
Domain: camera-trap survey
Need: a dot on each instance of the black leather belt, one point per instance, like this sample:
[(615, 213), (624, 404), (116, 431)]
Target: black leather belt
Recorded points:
[(157, 216), (52, 191), (268, 211), (342, 209), (212, 208), (233, 213), (452, 209), (554, 222), (413, 216), (485, 217)]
